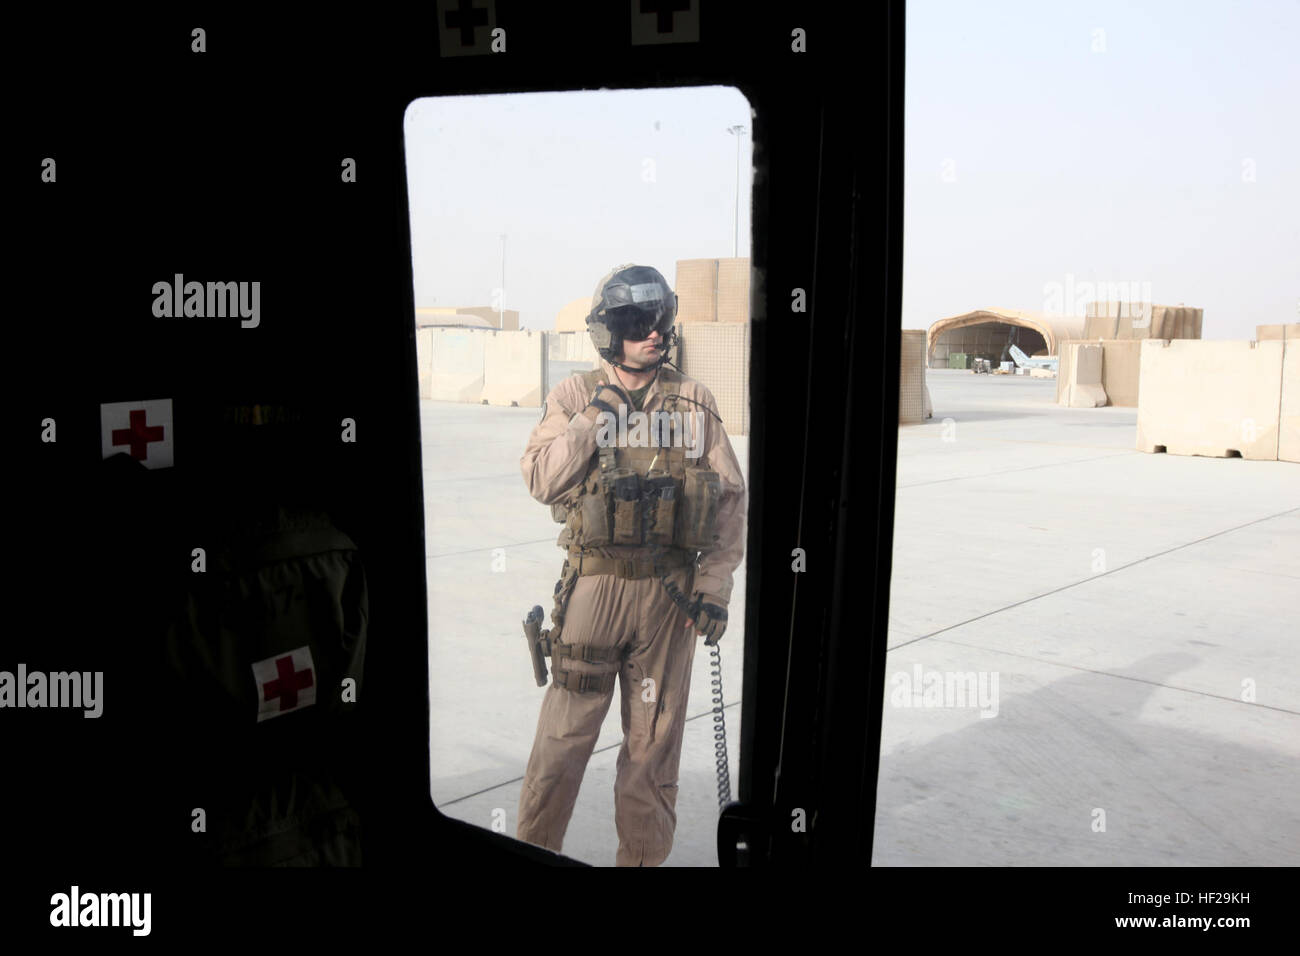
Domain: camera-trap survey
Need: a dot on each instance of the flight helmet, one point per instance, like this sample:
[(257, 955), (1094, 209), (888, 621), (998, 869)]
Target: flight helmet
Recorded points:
[(630, 302)]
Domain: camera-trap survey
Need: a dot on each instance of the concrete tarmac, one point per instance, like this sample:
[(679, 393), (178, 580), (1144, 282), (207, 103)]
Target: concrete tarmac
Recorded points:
[(1140, 612), (1124, 604)]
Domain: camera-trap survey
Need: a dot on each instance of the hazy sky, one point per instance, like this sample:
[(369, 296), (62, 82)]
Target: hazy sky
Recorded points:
[(579, 182), (1118, 166), (1047, 145)]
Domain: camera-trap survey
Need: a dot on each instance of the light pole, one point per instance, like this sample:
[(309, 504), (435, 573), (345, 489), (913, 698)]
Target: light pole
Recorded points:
[(501, 322), (736, 131)]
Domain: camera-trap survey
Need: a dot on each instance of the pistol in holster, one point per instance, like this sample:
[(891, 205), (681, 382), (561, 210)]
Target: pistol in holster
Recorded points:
[(539, 643)]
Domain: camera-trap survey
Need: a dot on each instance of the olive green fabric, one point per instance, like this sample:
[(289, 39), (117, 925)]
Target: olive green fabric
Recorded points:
[(638, 394)]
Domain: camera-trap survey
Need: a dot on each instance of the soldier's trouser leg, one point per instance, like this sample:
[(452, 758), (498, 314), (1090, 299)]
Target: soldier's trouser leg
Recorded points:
[(570, 721), (654, 720)]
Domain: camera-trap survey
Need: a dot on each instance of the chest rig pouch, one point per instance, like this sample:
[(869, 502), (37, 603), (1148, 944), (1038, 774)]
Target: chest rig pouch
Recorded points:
[(642, 489)]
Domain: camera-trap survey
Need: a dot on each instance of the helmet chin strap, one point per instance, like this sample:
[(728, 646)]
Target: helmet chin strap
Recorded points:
[(663, 357), (648, 368)]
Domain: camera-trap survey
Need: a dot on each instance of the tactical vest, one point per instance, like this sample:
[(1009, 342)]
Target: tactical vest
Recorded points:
[(650, 495)]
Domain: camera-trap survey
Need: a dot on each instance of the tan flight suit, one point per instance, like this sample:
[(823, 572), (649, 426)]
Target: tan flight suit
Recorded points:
[(638, 620)]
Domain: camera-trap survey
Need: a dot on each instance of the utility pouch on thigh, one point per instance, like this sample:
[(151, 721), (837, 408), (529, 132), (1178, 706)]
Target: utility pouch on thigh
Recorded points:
[(626, 485), (560, 511), (698, 514), (597, 528), (660, 492)]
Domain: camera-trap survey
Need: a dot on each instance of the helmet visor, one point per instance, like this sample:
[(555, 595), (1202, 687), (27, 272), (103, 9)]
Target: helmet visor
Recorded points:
[(636, 324)]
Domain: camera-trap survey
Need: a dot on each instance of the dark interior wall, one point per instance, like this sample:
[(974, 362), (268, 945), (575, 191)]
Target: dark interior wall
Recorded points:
[(246, 186), (986, 340)]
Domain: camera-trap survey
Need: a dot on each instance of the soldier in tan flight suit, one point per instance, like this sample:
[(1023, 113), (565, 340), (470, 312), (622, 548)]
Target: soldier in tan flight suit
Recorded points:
[(614, 615)]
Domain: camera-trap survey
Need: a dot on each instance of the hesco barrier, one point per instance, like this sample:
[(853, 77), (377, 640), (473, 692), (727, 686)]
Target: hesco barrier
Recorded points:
[(1265, 333), (733, 290), (716, 354), (1218, 399), (514, 368), (1141, 320), (456, 373), (912, 406)]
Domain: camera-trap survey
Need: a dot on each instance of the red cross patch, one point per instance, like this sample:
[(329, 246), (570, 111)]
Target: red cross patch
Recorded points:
[(285, 682), (142, 430)]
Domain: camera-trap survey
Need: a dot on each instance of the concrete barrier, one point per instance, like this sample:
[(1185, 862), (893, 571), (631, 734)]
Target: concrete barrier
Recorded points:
[(1079, 383), (567, 353), (571, 347), (1218, 399), (1288, 441), (1068, 369), (911, 378), (456, 373), (1120, 372), (514, 368)]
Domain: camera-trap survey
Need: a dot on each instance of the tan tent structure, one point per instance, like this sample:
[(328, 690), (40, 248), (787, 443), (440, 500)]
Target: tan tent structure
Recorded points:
[(984, 332)]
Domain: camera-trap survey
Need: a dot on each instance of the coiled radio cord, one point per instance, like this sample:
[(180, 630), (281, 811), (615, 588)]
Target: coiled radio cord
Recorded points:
[(720, 761), (719, 729)]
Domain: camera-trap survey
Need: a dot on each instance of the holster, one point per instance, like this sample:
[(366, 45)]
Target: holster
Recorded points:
[(541, 643)]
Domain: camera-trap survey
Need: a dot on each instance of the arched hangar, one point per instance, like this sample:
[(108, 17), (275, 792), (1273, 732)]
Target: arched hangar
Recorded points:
[(989, 333)]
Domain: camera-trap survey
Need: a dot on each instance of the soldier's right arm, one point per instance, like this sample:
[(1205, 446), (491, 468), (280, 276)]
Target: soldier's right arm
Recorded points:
[(560, 448)]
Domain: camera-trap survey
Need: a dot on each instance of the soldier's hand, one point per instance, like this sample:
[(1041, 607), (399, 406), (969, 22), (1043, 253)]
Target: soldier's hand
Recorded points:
[(710, 619)]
